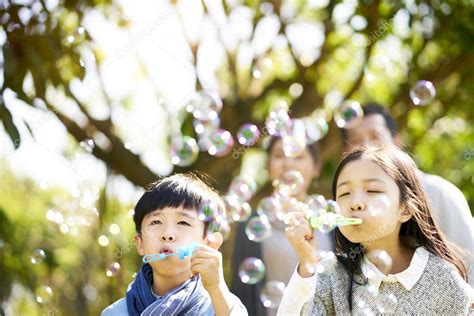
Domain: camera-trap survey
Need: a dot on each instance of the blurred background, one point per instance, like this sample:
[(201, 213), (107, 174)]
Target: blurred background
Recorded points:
[(99, 98)]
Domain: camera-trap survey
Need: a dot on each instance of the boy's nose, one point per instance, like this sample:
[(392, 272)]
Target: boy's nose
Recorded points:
[(167, 237)]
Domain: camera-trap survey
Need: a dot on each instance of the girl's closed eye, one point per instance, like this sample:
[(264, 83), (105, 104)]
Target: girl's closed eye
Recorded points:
[(184, 223), (375, 191), (344, 194)]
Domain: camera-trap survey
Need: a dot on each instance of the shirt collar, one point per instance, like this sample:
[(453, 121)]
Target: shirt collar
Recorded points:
[(407, 278)]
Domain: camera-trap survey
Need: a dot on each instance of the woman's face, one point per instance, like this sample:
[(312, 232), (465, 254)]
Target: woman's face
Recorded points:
[(365, 191), (278, 164)]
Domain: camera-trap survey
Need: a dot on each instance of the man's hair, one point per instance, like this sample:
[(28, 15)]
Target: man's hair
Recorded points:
[(179, 190), (373, 108)]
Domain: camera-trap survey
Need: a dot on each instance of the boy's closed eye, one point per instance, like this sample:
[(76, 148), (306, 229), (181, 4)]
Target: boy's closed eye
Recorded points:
[(154, 222), (184, 223)]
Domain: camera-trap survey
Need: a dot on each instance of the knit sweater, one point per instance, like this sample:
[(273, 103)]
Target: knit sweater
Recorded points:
[(438, 290)]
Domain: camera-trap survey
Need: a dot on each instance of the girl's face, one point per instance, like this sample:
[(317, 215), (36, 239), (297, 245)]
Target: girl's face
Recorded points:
[(365, 191), (278, 164)]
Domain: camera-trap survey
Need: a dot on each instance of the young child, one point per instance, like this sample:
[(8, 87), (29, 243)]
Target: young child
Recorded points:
[(426, 277), (166, 218)]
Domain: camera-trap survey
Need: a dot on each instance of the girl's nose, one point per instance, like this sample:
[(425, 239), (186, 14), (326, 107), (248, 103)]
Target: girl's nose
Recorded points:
[(358, 206)]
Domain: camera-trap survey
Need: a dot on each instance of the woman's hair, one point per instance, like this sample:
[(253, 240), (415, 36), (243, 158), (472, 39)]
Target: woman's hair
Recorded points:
[(313, 148), (419, 230)]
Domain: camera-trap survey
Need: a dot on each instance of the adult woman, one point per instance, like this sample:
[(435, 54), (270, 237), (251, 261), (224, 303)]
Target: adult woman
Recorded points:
[(276, 251)]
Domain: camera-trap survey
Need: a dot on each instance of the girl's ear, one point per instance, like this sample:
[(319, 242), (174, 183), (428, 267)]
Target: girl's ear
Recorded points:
[(405, 214), (214, 240), (138, 244)]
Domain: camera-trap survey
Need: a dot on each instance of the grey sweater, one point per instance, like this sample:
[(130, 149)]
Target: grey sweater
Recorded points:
[(439, 291)]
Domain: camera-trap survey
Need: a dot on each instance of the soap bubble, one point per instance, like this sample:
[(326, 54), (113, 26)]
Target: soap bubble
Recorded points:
[(207, 211), (205, 105), (38, 256), (184, 151), (349, 114), (272, 294), (269, 207), (423, 92), (251, 270), (258, 228), (278, 122), (44, 294), (221, 143), (243, 186), (381, 259), (248, 134), (112, 269), (290, 183), (238, 209)]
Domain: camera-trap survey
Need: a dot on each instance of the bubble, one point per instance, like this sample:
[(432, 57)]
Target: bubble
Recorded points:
[(87, 144), (423, 92), (269, 207), (381, 259), (258, 228), (77, 36), (272, 293), (103, 241), (386, 303), (332, 207), (112, 269), (206, 127), (114, 229), (316, 128), (238, 209), (290, 183), (349, 114), (222, 227), (378, 205), (184, 151), (205, 105), (296, 89), (317, 205), (251, 270), (328, 222), (278, 122), (207, 211), (243, 186), (44, 294), (221, 143), (293, 146), (287, 204), (38, 256), (248, 134)]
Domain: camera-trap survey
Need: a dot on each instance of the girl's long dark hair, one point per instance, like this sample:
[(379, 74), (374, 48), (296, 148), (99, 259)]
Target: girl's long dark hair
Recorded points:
[(419, 230)]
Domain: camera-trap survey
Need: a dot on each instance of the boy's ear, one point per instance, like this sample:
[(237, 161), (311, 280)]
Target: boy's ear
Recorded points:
[(214, 240), (138, 244)]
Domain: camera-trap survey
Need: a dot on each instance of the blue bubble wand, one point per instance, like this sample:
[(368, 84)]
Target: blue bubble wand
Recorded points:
[(182, 253)]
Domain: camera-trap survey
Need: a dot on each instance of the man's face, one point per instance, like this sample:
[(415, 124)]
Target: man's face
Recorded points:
[(372, 131), (164, 231)]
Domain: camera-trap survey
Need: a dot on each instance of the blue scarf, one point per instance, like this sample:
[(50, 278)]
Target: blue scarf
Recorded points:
[(189, 298)]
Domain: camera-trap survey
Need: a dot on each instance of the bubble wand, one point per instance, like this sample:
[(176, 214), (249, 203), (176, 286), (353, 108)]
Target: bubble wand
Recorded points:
[(183, 252)]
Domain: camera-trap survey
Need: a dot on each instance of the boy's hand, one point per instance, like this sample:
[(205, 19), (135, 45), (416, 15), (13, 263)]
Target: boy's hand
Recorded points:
[(300, 235), (208, 263)]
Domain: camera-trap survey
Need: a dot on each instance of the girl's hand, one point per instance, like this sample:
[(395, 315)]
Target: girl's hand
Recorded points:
[(300, 235)]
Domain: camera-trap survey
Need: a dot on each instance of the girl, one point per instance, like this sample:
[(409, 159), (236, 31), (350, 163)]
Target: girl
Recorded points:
[(426, 275)]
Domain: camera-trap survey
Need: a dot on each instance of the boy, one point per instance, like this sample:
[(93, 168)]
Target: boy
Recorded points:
[(166, 218)]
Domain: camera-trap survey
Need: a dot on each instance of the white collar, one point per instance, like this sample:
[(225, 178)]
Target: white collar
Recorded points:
[(407, 278)]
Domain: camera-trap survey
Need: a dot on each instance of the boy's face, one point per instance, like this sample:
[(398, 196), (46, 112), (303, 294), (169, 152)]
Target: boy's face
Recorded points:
[(164, 231)]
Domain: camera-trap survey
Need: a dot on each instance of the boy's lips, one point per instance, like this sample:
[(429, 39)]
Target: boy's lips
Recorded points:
[(166, 250)]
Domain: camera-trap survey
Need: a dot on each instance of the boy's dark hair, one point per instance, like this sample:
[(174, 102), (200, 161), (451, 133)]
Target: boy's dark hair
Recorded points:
[(373, 108), (313, 148), (185, 190)]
